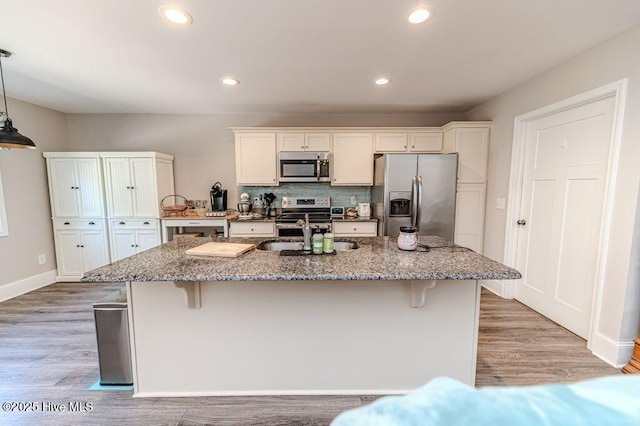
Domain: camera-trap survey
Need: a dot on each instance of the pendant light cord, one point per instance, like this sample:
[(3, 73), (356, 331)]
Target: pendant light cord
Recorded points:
[(4, 94)]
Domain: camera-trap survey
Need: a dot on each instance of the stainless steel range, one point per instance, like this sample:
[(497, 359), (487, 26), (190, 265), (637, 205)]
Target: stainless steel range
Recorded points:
[(294, 208)]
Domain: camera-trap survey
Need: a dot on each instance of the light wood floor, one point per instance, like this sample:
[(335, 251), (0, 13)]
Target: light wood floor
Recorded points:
[(48, 354)]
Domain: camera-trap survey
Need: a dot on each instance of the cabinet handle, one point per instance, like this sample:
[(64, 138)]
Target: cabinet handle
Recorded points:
[(67, 223), (413, 146), (405, 147), (274, 179), (302, 147), (78, 245), (133, 187), (251, 229), (122, 223), (92, 223), (128, 187), (146, 223), (133, 245)]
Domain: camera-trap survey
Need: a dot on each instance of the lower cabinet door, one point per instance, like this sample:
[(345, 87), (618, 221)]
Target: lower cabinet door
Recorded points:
[(94, 250), (123, 243), (69, 252), (146, 239)]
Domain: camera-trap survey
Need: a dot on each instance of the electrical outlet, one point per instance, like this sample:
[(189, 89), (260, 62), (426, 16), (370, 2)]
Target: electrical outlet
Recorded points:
[(354, 200), (42, 259), (501, 203)]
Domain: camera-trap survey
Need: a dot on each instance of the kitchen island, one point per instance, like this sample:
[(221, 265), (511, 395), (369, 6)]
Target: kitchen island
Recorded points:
[(373, 320)]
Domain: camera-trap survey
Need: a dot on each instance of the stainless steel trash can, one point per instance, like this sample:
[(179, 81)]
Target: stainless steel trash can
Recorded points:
[(112, 332)]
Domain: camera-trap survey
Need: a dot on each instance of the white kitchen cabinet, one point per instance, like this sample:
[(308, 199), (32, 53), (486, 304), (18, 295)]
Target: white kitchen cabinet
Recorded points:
[(471, 141), (252, 229), (354, 229), (75, 184), (129, 237), (136, 183), (391, 142), (425, 141), (312, 142), (81, 245), (352, 159), (469, 221), (256, 161)]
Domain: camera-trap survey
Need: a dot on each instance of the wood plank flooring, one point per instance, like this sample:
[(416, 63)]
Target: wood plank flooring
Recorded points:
[(48, 355)]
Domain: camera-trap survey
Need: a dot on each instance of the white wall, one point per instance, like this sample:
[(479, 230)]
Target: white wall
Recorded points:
[(616, 59), (26, 195), (203, 144)]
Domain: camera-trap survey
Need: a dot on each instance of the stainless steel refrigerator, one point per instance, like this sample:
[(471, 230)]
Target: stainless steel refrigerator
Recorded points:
[(417, 190)]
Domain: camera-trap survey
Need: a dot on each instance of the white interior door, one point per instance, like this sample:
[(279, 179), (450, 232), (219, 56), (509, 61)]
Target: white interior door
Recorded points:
[(565, 172)]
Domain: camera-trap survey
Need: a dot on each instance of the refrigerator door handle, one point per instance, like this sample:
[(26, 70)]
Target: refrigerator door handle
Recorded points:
[(414, 204), (419, 204)]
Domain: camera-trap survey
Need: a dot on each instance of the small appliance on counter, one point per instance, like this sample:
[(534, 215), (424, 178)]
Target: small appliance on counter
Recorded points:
[(244, 206), (364, 210), (337, 212), (218, 198)]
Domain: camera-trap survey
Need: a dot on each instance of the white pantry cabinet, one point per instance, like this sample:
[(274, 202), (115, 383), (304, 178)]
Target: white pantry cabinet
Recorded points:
[(136, 183), (256, 161), (469, 221), (75, 184), (352, 159), (471, 141), (312, 142), (81, 245), (129, 237)]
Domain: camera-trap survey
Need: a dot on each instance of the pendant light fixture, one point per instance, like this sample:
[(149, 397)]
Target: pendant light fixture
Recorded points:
[(9, 136)]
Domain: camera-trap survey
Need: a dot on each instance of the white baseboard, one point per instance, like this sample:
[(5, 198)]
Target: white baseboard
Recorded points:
[(498, 287), (17, 288), (611, 351)]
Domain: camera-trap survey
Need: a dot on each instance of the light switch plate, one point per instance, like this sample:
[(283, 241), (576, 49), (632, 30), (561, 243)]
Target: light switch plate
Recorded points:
[(501, 203)]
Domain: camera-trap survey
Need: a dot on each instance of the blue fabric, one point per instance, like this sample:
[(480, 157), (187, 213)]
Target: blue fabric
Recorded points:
[(613, 400)]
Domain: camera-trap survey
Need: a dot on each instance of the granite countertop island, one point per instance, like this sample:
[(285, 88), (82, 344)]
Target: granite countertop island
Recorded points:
[(371, 320), (371, 261)]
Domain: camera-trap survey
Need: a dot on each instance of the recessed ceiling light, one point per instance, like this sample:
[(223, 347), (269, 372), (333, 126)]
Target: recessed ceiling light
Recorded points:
[(382, 81), (230, 81), (176, 15), (419, 15)]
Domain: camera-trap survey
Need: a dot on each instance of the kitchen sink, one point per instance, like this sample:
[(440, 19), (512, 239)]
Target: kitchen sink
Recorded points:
[(274, 245)]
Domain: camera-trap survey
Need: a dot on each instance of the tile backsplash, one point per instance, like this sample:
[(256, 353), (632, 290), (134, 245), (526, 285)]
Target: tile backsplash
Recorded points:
[(340, 195)]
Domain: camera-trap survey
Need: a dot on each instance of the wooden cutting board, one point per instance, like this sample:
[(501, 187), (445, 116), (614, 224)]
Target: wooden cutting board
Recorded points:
[(221, 249)]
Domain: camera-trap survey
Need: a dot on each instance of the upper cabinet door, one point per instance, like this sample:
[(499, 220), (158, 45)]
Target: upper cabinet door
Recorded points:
[(391, 142), (75, 187), (291, 142), (317, 142), (256, 162), (118, 183), (143, 187), (352, 159), (472, 146), (63, 192), (90, 198), (425, 142)]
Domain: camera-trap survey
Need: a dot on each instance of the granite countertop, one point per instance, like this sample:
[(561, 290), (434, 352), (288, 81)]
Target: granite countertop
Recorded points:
[(371, 261), (254, 219)]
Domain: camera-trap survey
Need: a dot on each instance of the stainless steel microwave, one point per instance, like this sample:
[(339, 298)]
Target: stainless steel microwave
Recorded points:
[(304, 167)]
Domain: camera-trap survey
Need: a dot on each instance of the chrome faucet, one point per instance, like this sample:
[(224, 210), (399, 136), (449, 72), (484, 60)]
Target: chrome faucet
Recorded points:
[(306, 232)]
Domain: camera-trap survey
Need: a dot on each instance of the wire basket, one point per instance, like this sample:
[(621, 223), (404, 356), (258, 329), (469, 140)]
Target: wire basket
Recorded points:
[(176, 209)]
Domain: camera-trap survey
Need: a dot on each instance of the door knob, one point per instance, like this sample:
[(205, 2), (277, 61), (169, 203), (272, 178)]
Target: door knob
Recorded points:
[(521, 222)]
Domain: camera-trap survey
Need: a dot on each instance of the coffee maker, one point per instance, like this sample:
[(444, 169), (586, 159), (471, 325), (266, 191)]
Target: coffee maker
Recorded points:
[(218, 198)]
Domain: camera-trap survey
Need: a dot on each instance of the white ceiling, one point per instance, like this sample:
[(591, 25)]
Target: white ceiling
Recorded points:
[(295, 56)]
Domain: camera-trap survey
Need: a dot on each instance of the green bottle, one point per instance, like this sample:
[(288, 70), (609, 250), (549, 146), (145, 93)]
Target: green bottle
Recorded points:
[(328, 242)]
